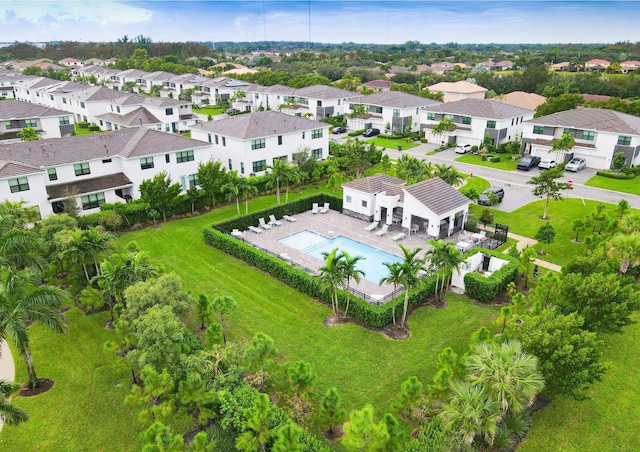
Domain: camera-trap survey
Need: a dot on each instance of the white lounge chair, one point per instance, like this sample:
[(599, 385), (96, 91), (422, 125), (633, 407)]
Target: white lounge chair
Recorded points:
[(314, 208), (325, 208), (256, 230), (383, 230), (236, 233), (289, 218), (263, 224), (398, 236), (273, 221), (372, 226)]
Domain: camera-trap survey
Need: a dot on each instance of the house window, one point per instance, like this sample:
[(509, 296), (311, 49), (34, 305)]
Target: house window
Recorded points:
[(230, 165), (184, 156), (63, 120), (7, 125), (279, 140), (30, 123), (118, 109), (491, 124), (512, 119), (167, 158), (349, 199), (538, 130), (319, 103), (107, 161), (260, 165), (364, 203), (64, 100), (567, 131), (257, 144), (466, 120), (193, 180), (51, 96), (168, 111), (316, 153), (92, 201), (589, 135), (224, 141), (431, 116), (624, 141), (216, 138), (53, 174), (158, 126), (209, 137), (241, 167), (316, 133), (146, 163), (82, 105), (303, 134), (19, 184), (81, 169), (396, 113), (167, 128)]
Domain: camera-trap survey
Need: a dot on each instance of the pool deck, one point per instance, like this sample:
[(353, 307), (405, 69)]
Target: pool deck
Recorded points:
[(333, 224)]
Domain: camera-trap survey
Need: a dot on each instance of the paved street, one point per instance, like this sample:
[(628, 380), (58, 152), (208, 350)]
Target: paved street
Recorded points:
[(517, 191)]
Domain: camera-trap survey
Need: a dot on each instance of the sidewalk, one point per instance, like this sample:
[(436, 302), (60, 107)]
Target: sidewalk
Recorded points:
[(7, 369)]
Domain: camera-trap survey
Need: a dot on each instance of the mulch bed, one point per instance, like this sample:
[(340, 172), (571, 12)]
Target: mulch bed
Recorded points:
[(44, 384)]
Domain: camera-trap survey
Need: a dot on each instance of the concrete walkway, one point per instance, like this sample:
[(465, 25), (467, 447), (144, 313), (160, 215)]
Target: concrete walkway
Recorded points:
[(7, 368)]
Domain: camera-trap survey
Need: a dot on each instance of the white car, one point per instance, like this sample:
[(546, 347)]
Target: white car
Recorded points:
[(576, 165), (463, 148), (547, 164)]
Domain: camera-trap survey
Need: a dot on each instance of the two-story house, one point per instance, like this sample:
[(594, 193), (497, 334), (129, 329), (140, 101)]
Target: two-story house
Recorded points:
[(474, 121), (454, 91), (316, 101), (599, 135), (16, 115), (250, 142), (388, 111)]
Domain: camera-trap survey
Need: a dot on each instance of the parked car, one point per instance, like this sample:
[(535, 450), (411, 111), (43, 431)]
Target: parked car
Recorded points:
[(547, 164), (337, 140), (463, 148), (337, 130), (371, 132), (528, 162), (576, 165), (486, 199)]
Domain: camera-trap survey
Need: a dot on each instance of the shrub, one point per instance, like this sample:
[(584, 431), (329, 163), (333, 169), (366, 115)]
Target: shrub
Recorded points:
[(474, 148), (356, 133), (612, 175), (83, 125), (93, 127), (424, 140), (486, 288)]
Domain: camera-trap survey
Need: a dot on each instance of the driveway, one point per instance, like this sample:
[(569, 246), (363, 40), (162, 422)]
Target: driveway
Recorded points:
[(517, 191)]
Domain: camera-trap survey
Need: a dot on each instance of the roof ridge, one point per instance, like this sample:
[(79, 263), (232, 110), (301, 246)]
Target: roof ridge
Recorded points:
[(134, 141)]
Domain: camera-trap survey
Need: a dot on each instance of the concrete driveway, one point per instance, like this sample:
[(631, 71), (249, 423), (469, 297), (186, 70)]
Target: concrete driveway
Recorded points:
[(517, 191)]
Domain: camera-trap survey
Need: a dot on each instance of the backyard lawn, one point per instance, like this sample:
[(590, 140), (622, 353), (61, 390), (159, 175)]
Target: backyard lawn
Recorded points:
[(625, 186), (505, 162), (393, 144), (209, 111)]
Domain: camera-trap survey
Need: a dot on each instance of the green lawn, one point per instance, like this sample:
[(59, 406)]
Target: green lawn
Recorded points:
[(610, 419), (209, 111), (625, 186), (393, 144), (526, 221), (80, 131), (85, 409), (505, 162), (476, 182)]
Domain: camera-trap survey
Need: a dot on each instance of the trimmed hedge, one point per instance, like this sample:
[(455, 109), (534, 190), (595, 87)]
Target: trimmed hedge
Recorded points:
[(612, 175), (486, 288), (356, 133)]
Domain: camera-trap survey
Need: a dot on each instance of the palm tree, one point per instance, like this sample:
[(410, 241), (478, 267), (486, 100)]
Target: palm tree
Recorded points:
[(9, 414), (77, 251), (410, 267), (246, 188), (393, 277), (448, 173), (19, 247), (331, 276), (451, 260), (349, 271), (96, 242), (562, 145), (445, 125), (436, 256), (627, 248), (22, 302), (291, 176), (232, 189), (278, 174)]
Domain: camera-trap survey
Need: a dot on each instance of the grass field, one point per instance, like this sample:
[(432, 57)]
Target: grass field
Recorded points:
[(625, 186), (209, 111), (505, 162), (393, 144)]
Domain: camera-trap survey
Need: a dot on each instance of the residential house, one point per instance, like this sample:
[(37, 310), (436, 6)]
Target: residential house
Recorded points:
[(475, 120), (503, 65), (379, 85), (565, 66), (95, 169), (629, 66), (94, 62), (431, 207), (250, 142), (596, 65), (15, 115), (398, 110), (71, 62), (214, 91), (529, 101), (599, 134), (316, 101), (454, 91)]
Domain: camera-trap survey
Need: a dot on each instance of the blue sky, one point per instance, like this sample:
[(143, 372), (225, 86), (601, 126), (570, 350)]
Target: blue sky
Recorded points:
[(331, 21)]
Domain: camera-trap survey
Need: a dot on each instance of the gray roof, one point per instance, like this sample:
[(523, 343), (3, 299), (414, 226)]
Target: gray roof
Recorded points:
[(480, 108), (90, 185), (592, 119), (397, 99), (101, 94), (13, 169), (134, 118), (259, 124), (126, 143), (324, 92), (375, 184), (276, 89), (17, 109), (96, 93), (437, 195)]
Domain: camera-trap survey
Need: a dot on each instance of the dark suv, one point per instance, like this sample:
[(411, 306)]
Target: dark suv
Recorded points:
[(371, 132), (486, 199), (528, 162)]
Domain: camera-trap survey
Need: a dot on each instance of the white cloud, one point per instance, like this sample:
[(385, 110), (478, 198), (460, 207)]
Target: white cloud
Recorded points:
[(101, 12)]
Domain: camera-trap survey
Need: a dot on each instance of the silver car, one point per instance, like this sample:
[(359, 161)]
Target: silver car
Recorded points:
[(576, 165)]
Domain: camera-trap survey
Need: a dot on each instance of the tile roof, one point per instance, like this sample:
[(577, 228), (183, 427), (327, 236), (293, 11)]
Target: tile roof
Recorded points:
[(374, 184), (457, 87), (397, 99), (17, 109), (134, 118), (13, 169), (437, 195), (598, 119), (324, 92), (127, 143), (91, 185), (482, 108), (259, 124), (529, 101)]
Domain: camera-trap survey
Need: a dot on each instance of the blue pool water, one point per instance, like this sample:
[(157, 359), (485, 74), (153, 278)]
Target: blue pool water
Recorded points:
[(314, 245)]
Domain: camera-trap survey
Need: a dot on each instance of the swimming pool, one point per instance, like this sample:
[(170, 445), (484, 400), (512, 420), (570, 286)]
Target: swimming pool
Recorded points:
[(314, 245)]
